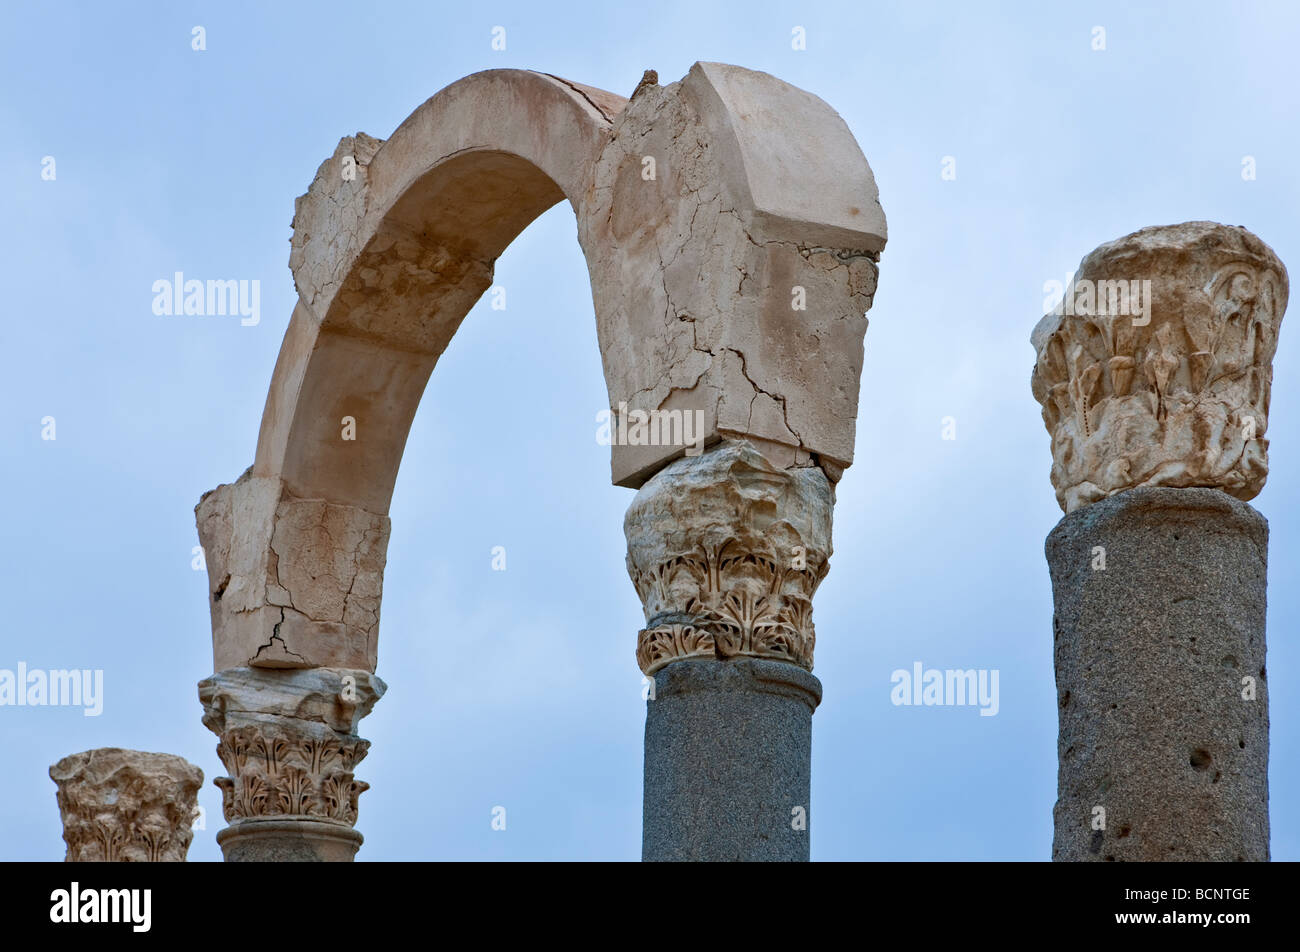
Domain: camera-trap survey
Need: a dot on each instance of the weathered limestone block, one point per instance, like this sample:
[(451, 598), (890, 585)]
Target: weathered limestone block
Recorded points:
[(732, 280), (309, 597), (327, 220), (289, 741), (126, 805), (390, 227), (1157, 368), (726, 551), (1161, 681)]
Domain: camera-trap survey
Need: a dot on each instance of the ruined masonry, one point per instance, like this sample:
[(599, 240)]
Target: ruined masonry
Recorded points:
[(732, 230)]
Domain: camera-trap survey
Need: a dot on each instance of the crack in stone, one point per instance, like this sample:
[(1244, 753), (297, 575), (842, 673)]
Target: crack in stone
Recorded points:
[(571, 85), (275, 636), (757, 390)]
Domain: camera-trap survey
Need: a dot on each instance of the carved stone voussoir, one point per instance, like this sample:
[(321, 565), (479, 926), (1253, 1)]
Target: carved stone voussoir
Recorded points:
[(1156, 368), (288, 740), (725, 551), (126, 805)]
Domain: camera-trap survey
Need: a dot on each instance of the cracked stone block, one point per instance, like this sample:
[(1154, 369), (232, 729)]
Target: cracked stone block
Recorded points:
[(735, 282), (310, 597)]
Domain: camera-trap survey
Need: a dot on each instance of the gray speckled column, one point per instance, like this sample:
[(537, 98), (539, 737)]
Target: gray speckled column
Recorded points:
[(728, 747), (726, 550), (1154, 653)]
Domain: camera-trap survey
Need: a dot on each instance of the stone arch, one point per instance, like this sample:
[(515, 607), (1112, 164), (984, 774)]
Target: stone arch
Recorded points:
[(759, 187), (389, 261), (704, 209), (393, 244)]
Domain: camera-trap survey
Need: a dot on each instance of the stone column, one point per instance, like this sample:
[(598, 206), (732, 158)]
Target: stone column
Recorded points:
[(726, 551), (126, 805), (1154, 375), (288, 739), (295, 588)]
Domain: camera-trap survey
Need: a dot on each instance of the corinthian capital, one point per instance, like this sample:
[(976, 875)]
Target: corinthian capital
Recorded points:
[(1156, 368), (726, 551), (288, 741), (126, 805)]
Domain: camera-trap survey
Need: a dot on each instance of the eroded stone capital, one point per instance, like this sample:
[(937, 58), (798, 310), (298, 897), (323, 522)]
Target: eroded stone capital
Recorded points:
[(726, 551), (1156, 369), (126, 805), (288, 740)]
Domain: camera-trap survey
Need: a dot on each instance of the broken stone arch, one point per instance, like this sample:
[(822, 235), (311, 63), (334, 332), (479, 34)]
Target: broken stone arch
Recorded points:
[(732, 228)]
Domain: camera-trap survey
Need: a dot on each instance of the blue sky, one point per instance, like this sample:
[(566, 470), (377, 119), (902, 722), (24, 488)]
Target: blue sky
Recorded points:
[(519, 688)]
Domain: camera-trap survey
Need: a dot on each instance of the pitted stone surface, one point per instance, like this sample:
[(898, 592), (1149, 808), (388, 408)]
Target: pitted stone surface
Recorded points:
[(1154, 654), (728, 747)]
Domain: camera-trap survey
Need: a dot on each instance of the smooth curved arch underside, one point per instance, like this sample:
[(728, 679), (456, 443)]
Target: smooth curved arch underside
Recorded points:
[(429, 214)]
